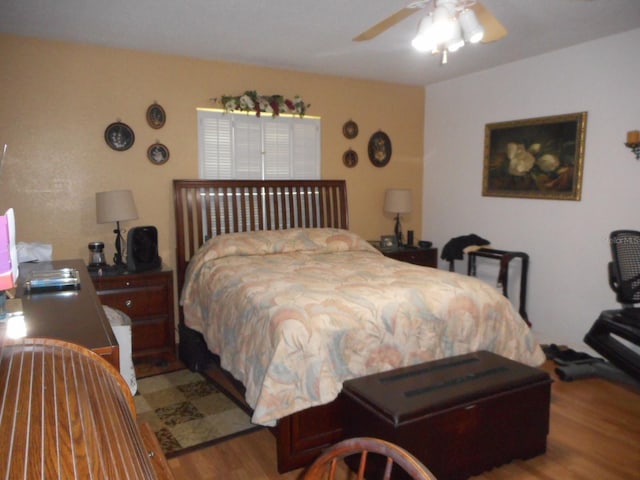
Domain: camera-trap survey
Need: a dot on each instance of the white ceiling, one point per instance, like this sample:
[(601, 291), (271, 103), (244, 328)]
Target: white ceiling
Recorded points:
[(314, 36)]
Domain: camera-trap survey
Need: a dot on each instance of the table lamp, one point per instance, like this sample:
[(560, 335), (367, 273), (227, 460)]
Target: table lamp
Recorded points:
[(116, 206), (397, 200)]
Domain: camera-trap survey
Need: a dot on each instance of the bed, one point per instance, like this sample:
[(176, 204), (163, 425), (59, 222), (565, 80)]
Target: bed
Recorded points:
[(291, 304)]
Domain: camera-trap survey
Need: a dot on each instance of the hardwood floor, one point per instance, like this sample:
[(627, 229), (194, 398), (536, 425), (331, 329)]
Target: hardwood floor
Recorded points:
[(594, 434)]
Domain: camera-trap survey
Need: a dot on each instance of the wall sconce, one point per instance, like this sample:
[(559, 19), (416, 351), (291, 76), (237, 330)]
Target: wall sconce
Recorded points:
[(633, 142)]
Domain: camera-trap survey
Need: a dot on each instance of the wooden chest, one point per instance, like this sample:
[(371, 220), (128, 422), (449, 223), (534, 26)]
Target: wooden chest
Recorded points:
[(460, 416)]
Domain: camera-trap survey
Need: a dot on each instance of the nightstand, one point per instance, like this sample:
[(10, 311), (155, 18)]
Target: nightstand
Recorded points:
[(426, 257), (147, 298)]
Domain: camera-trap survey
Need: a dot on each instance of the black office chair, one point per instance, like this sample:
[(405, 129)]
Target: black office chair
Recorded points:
[(616, 333)]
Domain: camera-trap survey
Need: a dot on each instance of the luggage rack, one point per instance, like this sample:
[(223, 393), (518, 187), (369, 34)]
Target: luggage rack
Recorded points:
[(505, 258)]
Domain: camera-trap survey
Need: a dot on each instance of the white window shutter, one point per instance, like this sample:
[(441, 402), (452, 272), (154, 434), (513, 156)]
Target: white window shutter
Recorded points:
[(277, 150), (215, 146), (241, 146), (305, 150), (247, 148)]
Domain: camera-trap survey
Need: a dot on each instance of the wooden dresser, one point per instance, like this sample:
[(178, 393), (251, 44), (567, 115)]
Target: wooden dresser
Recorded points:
[(73, 316), (67, 413)]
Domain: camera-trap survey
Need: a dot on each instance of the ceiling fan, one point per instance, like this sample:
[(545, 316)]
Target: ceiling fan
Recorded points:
[(465, 20)]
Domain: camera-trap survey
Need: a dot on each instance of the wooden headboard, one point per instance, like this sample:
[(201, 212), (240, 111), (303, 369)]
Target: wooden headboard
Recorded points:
[(207, 208)]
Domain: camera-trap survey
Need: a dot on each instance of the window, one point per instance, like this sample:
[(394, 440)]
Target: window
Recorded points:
[(241, 146)]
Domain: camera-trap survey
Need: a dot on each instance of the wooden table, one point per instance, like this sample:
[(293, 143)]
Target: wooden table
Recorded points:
[(73, 316)]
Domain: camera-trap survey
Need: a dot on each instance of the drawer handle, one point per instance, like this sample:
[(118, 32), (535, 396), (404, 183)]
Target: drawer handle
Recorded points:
[(128, 303), (127, 284)]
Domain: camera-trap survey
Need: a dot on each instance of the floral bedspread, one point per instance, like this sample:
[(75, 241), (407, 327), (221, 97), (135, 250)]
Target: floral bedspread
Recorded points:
[(294, 313)]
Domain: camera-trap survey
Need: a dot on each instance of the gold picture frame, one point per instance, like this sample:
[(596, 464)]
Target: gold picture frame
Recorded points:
[(379, 149), (119, 136), (350, 158), (539, 157), (156, 116), (158, 154)]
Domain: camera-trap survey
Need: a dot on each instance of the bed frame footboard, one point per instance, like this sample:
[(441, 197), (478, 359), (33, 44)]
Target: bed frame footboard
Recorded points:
[(300, 437)]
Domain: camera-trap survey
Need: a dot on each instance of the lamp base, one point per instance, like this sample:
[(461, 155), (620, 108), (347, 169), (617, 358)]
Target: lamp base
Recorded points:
[(117, 257), (398, 230)]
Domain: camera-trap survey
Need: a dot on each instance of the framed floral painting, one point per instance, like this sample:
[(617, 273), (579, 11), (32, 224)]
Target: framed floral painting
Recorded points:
[(535, 158)]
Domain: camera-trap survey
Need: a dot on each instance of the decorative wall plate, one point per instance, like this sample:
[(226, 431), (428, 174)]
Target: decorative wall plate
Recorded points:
[(350, 158), (379, 149), (350, 129), (156, 116), (158, 154), (119, 136)]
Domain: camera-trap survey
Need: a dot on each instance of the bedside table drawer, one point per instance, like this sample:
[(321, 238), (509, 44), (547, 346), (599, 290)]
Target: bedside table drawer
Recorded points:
[(138, 302), (129, 281), (151, 334), (418, 256)]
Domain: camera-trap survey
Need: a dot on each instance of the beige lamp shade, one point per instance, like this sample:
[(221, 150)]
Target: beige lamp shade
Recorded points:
[(397, 200), (115, 206)]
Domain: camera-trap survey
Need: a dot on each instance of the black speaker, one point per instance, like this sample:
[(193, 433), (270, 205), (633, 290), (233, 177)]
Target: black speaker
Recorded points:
[(142, 249)]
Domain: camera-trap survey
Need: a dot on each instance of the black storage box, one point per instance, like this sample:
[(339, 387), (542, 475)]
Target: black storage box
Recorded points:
[(460, 416)]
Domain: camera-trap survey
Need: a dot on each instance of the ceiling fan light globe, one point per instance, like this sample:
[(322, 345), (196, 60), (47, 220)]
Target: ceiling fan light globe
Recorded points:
[(476, 37), (472, 30), (424, 41), (455, 45), (443, 25), (456, 42), (422, 45)]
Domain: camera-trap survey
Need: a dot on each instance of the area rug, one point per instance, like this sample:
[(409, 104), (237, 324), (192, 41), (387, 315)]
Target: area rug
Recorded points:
[(187, 411)]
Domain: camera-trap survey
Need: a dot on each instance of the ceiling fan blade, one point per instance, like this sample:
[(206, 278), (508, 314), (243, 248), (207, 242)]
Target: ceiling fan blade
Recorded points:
[(493, 29), (385, 24)]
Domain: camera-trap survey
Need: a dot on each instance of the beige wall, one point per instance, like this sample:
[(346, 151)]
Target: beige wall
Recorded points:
[(56, 100)]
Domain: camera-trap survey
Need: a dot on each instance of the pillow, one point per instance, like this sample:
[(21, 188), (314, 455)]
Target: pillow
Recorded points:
[(267, 242)]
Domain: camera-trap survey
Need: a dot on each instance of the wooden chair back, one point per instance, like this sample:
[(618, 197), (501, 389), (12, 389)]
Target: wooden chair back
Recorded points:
[(326, 465), (67, 413)]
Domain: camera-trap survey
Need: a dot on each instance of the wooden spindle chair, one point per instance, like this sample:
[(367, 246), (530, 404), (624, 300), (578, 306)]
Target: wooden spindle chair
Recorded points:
[(325, 466)]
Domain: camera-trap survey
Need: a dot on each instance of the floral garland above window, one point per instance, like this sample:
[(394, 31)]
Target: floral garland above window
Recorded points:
[(250, 101)]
